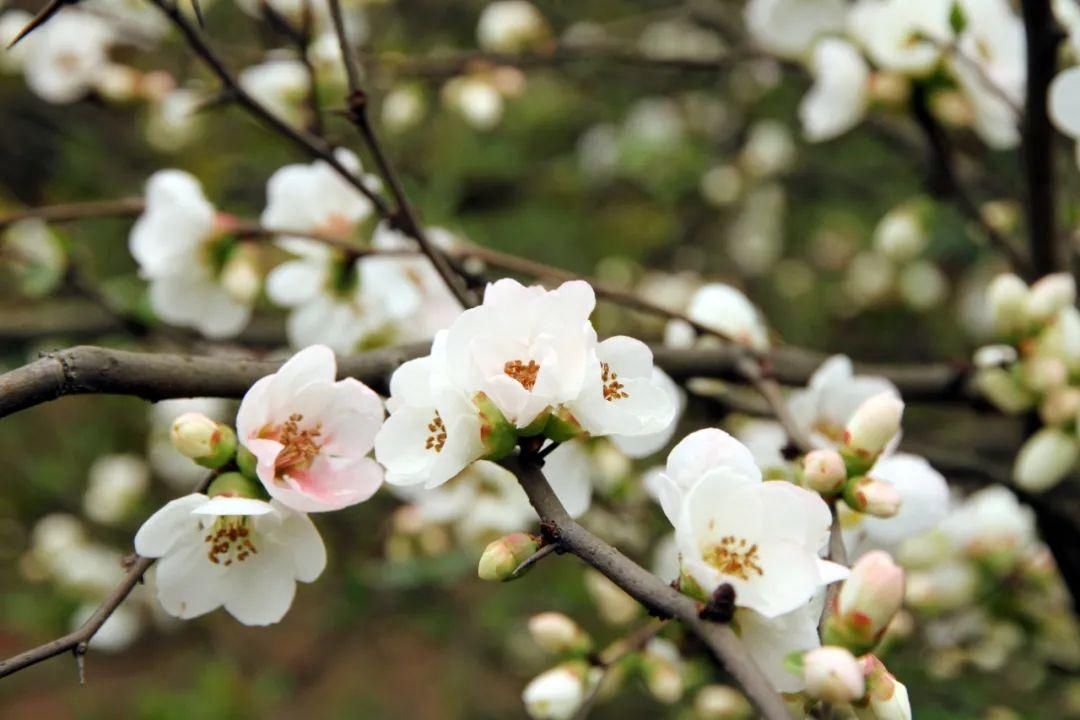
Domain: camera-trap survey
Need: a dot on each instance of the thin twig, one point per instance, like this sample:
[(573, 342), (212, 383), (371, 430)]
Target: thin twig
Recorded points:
[(534, 558), (79, 640), (404, 217), (612, 655), (652, 592), (68, 212)]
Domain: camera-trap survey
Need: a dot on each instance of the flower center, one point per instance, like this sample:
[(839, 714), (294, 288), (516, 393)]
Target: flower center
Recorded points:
[(734, 556), (335, 225), (613, 389), (229, 540), (524, 374), (301, 444), (437, 438)]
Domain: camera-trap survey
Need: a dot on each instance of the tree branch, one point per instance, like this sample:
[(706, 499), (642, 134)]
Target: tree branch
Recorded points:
[(86, 369), (1038, 134), (649, 590), (79, 640), (404, 217)]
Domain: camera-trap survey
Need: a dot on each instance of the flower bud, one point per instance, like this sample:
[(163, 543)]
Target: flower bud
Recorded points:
[(887, 697), (247, 463), (1060, 406), (1001, 388), (511, 26), (503, 556), (1007, 297), (990, 356), (1043, 374), (562, 426), (889, 88), (833, 675), (874, 424), (240, 277), (900, 235), (233, 484), (1049, 295), (557, 693), (498, 434), (209, 443), (661, 667), (721, 702), (873, 497), (1045, 459), (558, 634), (824, 471), (867, 602)]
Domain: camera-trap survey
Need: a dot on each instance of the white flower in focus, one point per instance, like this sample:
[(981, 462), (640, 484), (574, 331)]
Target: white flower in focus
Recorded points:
[(281, 84), (701, 455), (434, 430), (641, 446), (788, 28), (311, 435), (726, 310), (240, 553), (989, 63), (621, 395), (902, 35), (64, 58), (837, 101), (183, 249), (771, 640), (511, 26), (527, 349), (115, 484), (831, 398)]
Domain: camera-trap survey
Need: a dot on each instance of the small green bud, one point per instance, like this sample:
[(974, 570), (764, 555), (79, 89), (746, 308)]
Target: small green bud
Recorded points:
[(233, 484), (207, 442), (562, 426), (247, 462), (503, 556), (498, 435)]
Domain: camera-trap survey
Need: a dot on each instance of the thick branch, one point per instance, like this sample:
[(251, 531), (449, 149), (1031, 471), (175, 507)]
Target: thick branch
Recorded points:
[(78, 640), (1038, 135), (649, 590), (87, 369)]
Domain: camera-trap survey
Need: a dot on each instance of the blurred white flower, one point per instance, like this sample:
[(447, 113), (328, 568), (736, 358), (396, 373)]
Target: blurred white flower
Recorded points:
[(183, 248), (64, 58), (900, 35), (116, 483), (838, 99), (724, 309), (279, 83), (118, 633), (477, 100), (511, 26), (788, 28)]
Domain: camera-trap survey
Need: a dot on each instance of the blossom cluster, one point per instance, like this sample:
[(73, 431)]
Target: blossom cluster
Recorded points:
[(1034, 368), (968, 56), (525, 363)]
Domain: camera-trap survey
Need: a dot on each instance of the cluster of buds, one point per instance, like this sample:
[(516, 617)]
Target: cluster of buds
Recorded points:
[(835, 676), (559, 692), (867, 602), (847, 472), (1035, 369)]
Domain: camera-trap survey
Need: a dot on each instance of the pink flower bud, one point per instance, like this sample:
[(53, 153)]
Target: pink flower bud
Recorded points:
[(824, 471), (868, 601), (874, 424), (887, 697), (557, 634), (873, 497), (833, 674)]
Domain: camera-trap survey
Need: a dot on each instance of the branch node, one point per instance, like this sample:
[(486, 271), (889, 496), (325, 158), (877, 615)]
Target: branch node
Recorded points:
[(721, 606), (79, 652)]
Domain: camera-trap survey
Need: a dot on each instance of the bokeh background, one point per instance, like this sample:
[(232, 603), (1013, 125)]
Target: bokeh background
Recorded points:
[(649, 177)]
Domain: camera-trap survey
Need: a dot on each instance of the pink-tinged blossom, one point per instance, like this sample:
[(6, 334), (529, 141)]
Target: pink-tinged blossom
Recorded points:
[(311, 435)]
